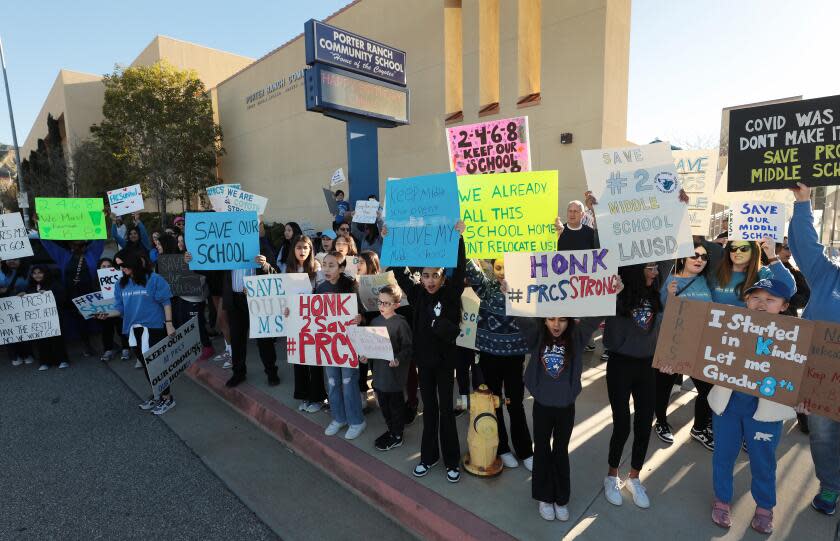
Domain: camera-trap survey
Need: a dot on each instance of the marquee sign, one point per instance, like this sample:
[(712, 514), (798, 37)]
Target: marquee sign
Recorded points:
[(329, 88)]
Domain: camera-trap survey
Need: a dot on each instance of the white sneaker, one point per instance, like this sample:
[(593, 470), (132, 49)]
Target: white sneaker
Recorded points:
[(334, 427), (354, 431), (302, 406), (509, 460), (561, 512), (547, 510), (640, 497), (227, 364), (43, 367), (529, 463), (17, 362), (612, 490), (126, 355), (64, 364), (138, 364), (29, 360), (314, 407)]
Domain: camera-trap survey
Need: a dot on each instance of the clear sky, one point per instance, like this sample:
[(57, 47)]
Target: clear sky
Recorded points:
[(688, 59)]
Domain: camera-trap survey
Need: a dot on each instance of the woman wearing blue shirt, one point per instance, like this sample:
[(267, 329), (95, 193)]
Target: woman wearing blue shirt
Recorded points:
[(741, 265)]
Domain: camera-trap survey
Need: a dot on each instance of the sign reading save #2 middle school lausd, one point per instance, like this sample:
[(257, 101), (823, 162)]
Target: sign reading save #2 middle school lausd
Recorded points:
[(28, 317), (640, 216), (268, 297), (317, 330), (126, 200), (577, 283), (14, 240), (754, 220), (222, 240), (775, 146), (71, 218), (496, 146), (508, 212), (170, 357)]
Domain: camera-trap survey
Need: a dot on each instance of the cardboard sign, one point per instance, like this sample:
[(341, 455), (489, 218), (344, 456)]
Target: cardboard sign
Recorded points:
[(775, 146), (366, 212), (696, 170), (176, 272), (170, 357), (28, 317), (371, 342), (222, 240), (92, 304), (821, 384), (351, 266), (237, 200), (508, 212), (497, 146), (369, 286), (576, 283), (469, 319), (216, 195), (754, 220), (14, 239), (126, 200), (337, 177), (268, 297), (71, 218), (108, 279), (332, 204), (422, 212), (640, 216), (317, 330)]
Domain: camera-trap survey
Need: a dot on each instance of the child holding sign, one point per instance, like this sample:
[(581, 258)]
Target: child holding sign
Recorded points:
[(51, 350), (111, 326)]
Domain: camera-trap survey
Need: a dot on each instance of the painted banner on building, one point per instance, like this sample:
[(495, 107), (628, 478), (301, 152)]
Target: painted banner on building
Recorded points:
[(14, 240), (317, 330), (170, 357), (754, 220), (222, 240), (696, 170), (126, 200), (28, 317), (496, 146), (269, 295), (71, 218)]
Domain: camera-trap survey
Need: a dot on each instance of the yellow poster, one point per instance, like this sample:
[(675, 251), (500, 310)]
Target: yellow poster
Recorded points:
[(508, 212)]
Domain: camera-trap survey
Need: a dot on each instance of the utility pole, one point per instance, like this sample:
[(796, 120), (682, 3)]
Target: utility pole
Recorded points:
[(21, 190)]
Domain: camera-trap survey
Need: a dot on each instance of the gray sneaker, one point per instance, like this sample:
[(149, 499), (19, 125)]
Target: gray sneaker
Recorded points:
[(164, 406), (149, 404)]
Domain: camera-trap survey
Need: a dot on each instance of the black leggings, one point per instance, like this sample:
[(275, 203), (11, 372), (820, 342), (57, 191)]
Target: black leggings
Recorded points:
[(503, 376), (110, 327), (626, 377), (439, 429), (551, 478), (702, 412)]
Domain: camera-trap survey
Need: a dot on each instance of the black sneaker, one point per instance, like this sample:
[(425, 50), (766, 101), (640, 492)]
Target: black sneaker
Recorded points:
[(235, 380), (421, 469), (410, 415), (589, 347), (605, 356), (380, 441), (663, 431), (705, 438), (453, 475), (802, 421), (389, 442)]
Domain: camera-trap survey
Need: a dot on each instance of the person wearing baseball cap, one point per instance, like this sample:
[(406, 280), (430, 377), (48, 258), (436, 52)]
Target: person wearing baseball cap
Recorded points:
[(328, 237), (178, 222)]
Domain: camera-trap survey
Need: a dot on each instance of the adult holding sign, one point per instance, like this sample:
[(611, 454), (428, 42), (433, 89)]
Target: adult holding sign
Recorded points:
[(76, 218)]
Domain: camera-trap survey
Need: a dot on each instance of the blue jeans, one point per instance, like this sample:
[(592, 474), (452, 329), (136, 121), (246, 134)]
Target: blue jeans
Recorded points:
[(825, 450), (343, 392)]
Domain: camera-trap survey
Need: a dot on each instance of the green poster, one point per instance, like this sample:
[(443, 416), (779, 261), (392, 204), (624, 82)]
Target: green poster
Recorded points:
[(77, 218)]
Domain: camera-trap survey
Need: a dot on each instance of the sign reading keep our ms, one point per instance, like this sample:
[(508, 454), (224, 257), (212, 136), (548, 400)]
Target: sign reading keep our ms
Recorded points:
[(222, 240)]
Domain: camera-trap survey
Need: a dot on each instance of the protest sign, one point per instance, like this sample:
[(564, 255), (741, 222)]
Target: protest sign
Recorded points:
[(14, 240), (576, 283), (640, 216), (268, 297), (366, 212), (469, 319), (696, 170), (28, 317), (76, 218), (95, 303), (237, 200), (422, 212), (216, 195), (182, 281), (369, 286), (108, 279), (126, 200), (754, 220), (317, 330), (222, 240), (308, 228), (351, 265), (337, 177), (332, 204), (170, 357), (821, 384), (775, 146), (508, 212), (371, 342), (496, 146)]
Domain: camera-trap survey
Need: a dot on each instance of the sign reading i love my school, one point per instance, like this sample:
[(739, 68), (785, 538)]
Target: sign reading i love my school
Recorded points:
[(76, 218)]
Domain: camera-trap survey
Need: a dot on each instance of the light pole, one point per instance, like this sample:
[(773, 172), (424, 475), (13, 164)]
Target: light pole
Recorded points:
[(14, 135)]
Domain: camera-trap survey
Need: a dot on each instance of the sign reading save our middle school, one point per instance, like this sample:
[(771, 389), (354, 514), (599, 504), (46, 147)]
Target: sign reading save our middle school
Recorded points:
[(754, 220), (317, 330), (497, 146), (222, 240), (75, 218)]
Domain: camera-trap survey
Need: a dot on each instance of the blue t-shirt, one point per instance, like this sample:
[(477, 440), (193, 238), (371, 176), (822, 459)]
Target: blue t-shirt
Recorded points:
[(729, 295), (695, 289), (143, 305)]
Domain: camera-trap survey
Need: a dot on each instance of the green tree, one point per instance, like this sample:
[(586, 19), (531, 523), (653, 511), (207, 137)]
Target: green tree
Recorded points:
[(94, 170), (158, 125), (45, 171)]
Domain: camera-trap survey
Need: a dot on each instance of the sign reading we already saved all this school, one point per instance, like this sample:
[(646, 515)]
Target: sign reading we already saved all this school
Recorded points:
[(71, 218)]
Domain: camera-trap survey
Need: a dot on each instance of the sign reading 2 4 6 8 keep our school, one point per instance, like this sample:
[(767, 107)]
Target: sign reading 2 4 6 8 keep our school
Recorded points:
[(330, 45)]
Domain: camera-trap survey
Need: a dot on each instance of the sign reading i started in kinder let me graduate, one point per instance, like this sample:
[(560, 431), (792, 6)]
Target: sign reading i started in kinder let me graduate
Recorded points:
[(268, 297), (14, 239), (754, 220), (317, 330), (697, 172), (71, 218), (640, 216), (508, 212), (578, 283), (222, 240), (421, 218), (126, 200), (497, 146)]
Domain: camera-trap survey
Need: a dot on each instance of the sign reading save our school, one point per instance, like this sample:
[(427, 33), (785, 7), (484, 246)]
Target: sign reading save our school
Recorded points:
[(776, 146), (497, 146), (71, 218), (222, 240)]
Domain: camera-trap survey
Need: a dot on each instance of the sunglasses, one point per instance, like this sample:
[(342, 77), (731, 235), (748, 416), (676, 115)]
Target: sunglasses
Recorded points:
[(344, 229), (704, 257), (742, 249)]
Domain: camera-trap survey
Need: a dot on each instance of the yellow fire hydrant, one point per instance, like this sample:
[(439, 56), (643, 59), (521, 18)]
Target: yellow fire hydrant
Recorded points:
[(483, 435)]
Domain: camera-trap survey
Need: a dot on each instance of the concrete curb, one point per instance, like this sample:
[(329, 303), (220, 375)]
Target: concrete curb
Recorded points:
[(410, 504)]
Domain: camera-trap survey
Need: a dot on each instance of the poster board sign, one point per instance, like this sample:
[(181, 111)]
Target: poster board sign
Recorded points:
[(108, 279), (469, 319), (14, 239), (508, 212), (640, 216), (28, 317), (696, 170), (216, 195), (337, 177), (369, 286), (96, 303), (222, 240), (317, 330), (496, 146), (237, 200), (575, 283), (821, 384), (170, 357), (371, 342), (268, 297), (332, 204), (126, 200), (422, 212), (71, 218), (182, 281), (754, 220), (775, 146), (366, 212), (351, 266)]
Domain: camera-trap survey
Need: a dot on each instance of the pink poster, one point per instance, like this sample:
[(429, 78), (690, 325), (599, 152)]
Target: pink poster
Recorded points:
[(496, 146)]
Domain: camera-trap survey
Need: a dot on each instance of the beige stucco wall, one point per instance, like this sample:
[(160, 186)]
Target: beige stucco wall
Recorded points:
[(211, 65)]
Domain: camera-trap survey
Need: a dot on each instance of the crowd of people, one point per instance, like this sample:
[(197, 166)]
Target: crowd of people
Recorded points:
[(542, 355)]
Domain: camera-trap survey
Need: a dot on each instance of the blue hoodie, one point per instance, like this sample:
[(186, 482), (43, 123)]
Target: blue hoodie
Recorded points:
[(822, 275), (143, 305)]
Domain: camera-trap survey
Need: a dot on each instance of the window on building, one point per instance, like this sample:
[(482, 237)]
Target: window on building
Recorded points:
[(529, 50)]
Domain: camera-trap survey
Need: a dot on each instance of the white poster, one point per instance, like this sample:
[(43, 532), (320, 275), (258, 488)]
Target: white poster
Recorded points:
[(14, 241), (640, 216), (108, 279), (337, 177), (168, 359), (237, 200), (268, 297), (469, 319), (696, 170), (93, 304), (351, 266), (754, 220), (366, 212), (371, 342), (369, 286), (317, 330), (216, 195), (28, 317), (126, 200)]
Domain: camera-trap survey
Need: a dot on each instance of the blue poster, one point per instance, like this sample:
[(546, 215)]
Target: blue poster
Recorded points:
[(222, 240), (421, 213)]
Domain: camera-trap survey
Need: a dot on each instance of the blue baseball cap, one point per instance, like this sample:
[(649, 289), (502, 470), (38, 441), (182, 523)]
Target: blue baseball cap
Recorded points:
[(329, 233), (774, 287)]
